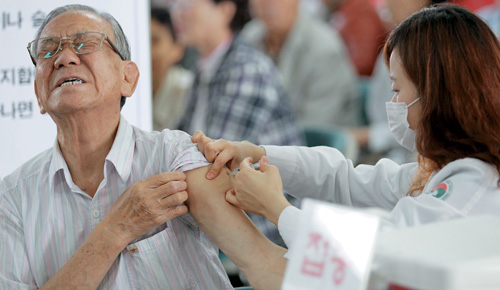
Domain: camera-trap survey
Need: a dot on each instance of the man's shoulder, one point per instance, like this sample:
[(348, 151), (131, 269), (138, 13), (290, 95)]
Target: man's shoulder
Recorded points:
[(35, 167), (163, 136), (172, 148)]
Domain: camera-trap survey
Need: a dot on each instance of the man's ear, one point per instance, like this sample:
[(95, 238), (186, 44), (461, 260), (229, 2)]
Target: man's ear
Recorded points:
[(130, 78), (42, 110)]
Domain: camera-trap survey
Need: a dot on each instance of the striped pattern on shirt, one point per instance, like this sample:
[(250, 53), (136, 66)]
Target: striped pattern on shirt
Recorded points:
[(45, 217)]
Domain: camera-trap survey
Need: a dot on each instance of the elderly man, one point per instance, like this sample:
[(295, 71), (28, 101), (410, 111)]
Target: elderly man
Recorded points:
[(66, 218)]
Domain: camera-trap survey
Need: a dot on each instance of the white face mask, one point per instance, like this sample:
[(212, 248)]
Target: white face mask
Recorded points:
[(397, 115)]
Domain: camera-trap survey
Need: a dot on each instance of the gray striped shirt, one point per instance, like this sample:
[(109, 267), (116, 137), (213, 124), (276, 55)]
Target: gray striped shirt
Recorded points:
[(45, 217)]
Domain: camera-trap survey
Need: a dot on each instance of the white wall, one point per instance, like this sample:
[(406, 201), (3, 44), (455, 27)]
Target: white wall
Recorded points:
[(24, 132)]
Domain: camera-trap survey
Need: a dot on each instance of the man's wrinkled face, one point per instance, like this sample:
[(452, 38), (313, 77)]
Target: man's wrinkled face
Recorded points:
[(70, 82)]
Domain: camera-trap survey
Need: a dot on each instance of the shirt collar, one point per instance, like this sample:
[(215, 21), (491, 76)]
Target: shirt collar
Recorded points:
[(122, 151), (57, 163), (120, 155)]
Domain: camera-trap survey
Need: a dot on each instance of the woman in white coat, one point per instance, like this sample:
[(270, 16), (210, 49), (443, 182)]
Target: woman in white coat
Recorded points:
[(445, 69)]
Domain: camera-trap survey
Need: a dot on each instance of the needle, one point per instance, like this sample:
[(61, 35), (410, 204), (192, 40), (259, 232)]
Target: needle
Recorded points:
[(255, 166)]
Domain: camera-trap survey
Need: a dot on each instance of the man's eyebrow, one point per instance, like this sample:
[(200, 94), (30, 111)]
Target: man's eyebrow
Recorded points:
[(84, 31), (78, 31), (81, 31)]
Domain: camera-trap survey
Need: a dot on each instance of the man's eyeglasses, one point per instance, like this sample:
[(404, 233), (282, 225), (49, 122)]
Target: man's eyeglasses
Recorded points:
[(81, 43)]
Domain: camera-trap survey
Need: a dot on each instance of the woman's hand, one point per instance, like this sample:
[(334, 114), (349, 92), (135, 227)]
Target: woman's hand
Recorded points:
[(225, 153), (259, 192)]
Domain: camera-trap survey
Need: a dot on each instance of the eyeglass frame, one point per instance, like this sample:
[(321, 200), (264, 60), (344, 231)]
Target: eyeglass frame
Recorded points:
[(104, 37)]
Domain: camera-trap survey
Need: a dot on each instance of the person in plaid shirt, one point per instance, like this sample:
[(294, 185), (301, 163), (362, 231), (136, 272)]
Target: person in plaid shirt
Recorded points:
[(237, 94)]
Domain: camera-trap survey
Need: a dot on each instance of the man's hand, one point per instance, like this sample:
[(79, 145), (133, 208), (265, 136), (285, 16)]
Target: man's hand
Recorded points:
[(144, 206), (148, 204), (225, 153)]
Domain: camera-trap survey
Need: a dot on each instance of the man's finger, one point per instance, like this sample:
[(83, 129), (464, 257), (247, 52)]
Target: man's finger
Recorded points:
[(168, 189), (163, 178), (174, 199), (175, 211)]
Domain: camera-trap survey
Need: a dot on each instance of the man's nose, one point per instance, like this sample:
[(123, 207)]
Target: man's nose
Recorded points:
[(66, 56)]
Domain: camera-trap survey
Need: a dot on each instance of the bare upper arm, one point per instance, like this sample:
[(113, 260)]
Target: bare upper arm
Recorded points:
[(205, 195), (231, 229), (197, 182)]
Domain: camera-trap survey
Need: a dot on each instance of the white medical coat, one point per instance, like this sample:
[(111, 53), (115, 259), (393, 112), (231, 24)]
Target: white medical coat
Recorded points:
[(462, 188)]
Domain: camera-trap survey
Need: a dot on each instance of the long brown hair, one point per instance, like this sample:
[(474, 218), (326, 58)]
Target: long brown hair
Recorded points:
[(453, 58)]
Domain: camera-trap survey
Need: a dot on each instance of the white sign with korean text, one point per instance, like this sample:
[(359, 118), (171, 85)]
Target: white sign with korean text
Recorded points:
[(333, 248), (24, 131)]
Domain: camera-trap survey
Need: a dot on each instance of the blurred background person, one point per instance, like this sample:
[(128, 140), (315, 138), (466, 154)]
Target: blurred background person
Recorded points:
[(171, 82), (491, 15), (473, 5), (312, 60), (237, 94), (361, 28), (376, 140), (315, 8), (190, 55), (394, 12)]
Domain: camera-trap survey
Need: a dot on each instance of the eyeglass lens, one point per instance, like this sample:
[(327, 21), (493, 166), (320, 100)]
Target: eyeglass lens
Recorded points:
[(82, 43)]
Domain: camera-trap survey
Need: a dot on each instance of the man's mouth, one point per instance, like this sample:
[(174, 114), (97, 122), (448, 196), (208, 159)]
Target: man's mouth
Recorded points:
[(71, 81)]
